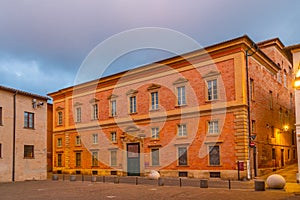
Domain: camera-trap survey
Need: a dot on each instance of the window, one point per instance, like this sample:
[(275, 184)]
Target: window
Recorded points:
[(95, 158), (0, 150), (113, 108), (273, 154), (213, 127), (59, 160), (95, 112), (59, 142), (28, 151), (95, 138), (271, 99), (182, 156), (113, 136), (155, 157), (132, 101), (291, 101), (251, 90), (154, 101), (284, 79), (212, 90), (78, 159), (78, 114), (60, 118), (181, 132), (28, 120), (1, 116), (280, 117), (181, 98), (279, 76), (214, 155), (154, 133), (113, 158), (77, 140)]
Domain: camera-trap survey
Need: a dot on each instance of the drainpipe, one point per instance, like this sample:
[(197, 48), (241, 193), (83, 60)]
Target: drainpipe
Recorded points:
[(14, 138), (247, 54)]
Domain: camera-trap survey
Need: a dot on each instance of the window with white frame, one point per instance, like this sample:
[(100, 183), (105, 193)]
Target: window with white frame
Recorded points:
[(59, 118), (113, 136), (212, 89), (132, 104), (29, 120), (113, 106), (78, 114), (155, 133), (155, 157), (154, 101), (284, 79), (181, 97), (95, 111), (181, 130), (213, 127), (59, 142), (77, 140), (95, 138)]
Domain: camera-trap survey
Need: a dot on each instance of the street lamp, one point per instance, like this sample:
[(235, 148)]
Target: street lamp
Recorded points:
[(297, 112)]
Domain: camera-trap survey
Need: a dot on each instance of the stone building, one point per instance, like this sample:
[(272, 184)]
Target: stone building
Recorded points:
[(23, 123), (193, 115)]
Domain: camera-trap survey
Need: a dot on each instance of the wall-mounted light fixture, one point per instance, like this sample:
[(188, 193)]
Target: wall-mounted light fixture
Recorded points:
[(36, 104)]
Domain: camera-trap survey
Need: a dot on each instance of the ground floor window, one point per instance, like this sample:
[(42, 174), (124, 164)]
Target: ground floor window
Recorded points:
[(28, 151), (95, 158), (182, 156), (78, 159), (113, 158), (59, 160), (154, 157), (214, 155)]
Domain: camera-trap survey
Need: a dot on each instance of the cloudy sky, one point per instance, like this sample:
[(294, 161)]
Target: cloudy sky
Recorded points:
[(43, 43)]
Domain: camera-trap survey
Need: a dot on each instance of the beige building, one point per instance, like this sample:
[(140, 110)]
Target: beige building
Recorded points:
[(23, 135)]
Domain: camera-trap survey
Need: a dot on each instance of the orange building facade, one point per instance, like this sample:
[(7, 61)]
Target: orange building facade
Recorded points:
[(185, 116)]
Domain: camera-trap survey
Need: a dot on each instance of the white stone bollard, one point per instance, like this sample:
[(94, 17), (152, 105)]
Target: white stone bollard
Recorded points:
[(154, 175), (276, 181)]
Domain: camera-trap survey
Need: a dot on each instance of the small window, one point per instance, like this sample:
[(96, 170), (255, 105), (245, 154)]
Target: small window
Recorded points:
[(154, 133), (213, 127), (28, 120), (78, 114), (183, 174), (60, 118), (95, 111), (77, 140), (59, 160), (154, 101), (182, 156), (155, 157), (132, 106), (273, 154), (181, 97), (0, 150), (1, 122), (113, 108), (113, 158), (113, 136), (181, 132), (28, 151), (78, 159), (214, 155), (95, 138), (59, 142), (95, 158), (215, 174), (212, 90)]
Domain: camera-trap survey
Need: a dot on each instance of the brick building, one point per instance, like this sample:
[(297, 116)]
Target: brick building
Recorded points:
[(183, 116), (23, 122)]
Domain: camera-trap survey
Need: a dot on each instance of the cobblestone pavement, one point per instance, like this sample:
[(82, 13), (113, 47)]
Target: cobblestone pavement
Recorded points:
[(62, 190)]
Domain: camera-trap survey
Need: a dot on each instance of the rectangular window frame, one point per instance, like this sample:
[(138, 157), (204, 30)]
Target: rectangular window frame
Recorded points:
[(213, 127), (182, 155), (28, 120), (28, 151), (59, 142), (212, 162), (95, 111), (59, 118), (77, 140), (113, 108), (181, 95), (182, 130), (113, 158), (155, 133), (59, 160), (132, 104), (155, 158), (113, 136), (95, 158), (212, 89), (154, 100), (95, 138), (77, 159)]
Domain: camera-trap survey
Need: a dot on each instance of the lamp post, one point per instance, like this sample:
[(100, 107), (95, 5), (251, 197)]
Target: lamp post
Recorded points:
[(297, 112)]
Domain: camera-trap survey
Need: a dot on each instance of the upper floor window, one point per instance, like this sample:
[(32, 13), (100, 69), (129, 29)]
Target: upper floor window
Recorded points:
[(95, 111), (154, 101), (95, 138), (28, 151), (28, 120), (1, 116), (284, 79), (59, 118), (113, 136), (181, 97), (78, 159), (212, 89), (154, 133), (182, 156), (132, 104), (59, 160), (77, 140), (213, 127), (113, 106), (253, 127), (279, 76), (78, 114), (59, 142), (181, 130)]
